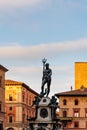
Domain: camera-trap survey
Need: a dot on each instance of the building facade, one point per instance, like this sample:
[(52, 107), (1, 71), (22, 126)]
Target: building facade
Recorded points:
[(2, 97), (80, 74), (18, 98), (73, 109)]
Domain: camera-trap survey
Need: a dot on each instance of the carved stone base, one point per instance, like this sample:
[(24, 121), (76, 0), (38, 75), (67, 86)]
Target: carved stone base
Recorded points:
[(45, 115)]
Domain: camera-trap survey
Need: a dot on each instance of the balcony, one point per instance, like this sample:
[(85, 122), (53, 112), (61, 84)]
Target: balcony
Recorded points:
[(65, 118)]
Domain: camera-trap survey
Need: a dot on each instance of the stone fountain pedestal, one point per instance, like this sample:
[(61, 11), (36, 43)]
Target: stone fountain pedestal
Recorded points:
[(45, 118)]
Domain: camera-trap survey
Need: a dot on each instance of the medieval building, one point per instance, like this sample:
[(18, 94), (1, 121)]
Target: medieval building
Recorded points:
[(2, 97), (18, 98), (73, 109)]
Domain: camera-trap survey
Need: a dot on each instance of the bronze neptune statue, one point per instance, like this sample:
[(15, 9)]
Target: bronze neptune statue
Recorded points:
[(46, 78)]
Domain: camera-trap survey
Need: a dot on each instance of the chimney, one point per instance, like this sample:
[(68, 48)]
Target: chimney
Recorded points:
[(71, 88), (82, 88)]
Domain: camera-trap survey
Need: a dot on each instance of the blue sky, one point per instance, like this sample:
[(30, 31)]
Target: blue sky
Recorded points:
[(33, 29)]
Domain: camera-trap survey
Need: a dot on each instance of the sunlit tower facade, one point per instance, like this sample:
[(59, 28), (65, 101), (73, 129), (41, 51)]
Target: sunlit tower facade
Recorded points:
[(80, 74)]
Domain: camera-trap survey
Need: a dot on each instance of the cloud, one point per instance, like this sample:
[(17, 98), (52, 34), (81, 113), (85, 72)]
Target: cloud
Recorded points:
[(40, 50), (20, 3), (18, 12), (32, 70), (33, 3), (26, 70), (68, 6)]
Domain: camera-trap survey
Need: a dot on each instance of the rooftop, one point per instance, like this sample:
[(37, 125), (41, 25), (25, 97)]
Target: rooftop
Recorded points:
[(12, 82), (3, 68), (79, 92)]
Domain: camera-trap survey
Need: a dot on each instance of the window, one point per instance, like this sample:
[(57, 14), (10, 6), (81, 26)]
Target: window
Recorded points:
[(10, 119), (64, 102), (76, 124), (23, 108), (29, 112), (23, 117), (27, 99), (0, 106), (64, 113), (10, 97), (86, 124), (1, 126), (76, 113), (86, 113), (30, 100), (0, 81), (10, 108), (23, 97), (76, 102)]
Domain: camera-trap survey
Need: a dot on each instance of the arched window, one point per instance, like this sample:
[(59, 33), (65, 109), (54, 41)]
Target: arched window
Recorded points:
[(76, 124), (64, 113), (10, 118), (10, 97), (76, 101), (64, 102), (85, 113), (76, 113), (10, 128)]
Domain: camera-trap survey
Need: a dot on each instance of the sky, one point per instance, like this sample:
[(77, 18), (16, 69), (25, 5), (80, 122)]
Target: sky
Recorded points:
[(31, 30)]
